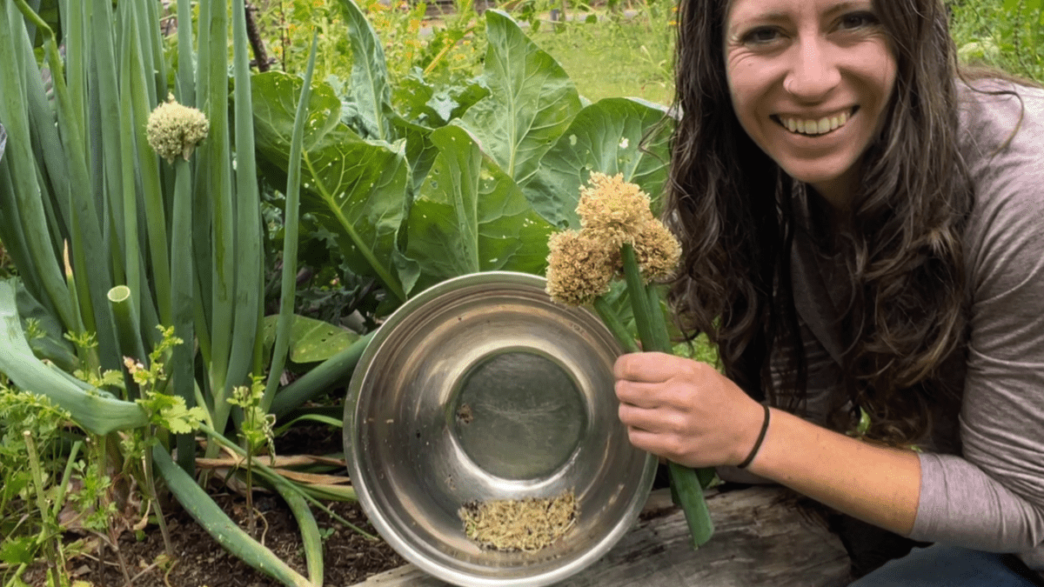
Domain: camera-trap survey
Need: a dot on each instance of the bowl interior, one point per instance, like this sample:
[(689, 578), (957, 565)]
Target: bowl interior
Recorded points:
[(482, 389)]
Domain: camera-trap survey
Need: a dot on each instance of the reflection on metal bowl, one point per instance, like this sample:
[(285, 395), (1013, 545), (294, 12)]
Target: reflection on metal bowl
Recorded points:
[(480, 389)]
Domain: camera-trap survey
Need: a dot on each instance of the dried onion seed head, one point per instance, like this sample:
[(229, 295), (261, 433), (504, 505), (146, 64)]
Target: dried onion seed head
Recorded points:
[(579, 268), (174, 130), (657, 251), (613, 209)]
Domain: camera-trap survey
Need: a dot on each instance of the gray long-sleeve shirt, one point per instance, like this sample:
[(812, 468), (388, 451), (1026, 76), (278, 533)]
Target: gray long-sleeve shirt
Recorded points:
[(985, 489)]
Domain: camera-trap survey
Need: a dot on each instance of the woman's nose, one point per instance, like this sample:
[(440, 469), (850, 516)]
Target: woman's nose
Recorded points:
[(813, 73)]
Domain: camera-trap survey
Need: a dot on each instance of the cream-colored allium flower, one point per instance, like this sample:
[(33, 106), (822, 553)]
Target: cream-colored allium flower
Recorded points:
[(579, 268), (174, 130), (657, 251), (613, 209)]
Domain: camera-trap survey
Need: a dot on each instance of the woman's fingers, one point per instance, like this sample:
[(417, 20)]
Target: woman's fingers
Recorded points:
[(648, 367), (634, 416), (670, 446), (641, 394), (645, 440), (661, 419)]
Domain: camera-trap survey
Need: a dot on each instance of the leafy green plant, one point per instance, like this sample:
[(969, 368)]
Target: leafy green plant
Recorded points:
[(165, 413), (254, 432), (453, 51), (456, 181), (649, 33), (49, 535), (35, 476), (447, 49), (288, 27), (148, 243), (1004, 34)]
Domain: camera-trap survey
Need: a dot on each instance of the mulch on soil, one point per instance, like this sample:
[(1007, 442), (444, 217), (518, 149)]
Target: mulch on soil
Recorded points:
[(349, 557)]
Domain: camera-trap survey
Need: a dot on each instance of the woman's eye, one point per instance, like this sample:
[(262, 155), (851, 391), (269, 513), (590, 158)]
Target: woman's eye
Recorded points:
[(857, 20), (761, 36)]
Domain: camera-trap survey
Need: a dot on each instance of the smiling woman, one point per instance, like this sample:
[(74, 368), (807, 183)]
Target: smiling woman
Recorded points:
[(809, 83), (860, 221)]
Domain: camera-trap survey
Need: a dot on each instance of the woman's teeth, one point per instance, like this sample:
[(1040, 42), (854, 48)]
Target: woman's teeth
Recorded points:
[(815, 127)]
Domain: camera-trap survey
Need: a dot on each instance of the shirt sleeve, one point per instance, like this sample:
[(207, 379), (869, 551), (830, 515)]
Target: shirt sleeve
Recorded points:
[(991, 498)]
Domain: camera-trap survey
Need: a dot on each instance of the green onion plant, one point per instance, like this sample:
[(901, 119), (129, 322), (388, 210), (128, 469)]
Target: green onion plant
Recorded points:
[(118, 239)]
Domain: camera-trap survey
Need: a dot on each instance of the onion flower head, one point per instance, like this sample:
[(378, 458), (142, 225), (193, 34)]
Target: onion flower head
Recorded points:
[(657, 252), (174, 130), (580, 268), (613, 209)]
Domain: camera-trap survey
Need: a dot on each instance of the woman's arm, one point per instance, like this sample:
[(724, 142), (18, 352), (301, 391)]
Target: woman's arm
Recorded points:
[(991, 497), (691, 414), (876, 484)]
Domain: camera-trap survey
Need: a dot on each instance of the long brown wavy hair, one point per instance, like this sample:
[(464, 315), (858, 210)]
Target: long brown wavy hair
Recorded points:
[(735, 211)]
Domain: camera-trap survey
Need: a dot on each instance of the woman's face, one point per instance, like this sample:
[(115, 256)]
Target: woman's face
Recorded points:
[(810, 80)]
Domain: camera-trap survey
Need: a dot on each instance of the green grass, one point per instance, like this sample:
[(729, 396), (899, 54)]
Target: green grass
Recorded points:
[(611, 59), (998, 34), (634, 57)]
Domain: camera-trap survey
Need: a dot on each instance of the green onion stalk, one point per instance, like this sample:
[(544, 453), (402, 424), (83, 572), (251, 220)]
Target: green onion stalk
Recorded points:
[(621, 236), (174, 131)]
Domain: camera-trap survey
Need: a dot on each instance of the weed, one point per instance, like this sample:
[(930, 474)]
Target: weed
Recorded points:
[(255, 431), (32, 485)]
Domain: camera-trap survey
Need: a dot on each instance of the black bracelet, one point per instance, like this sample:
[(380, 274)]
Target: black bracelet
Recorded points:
[(757, 445)]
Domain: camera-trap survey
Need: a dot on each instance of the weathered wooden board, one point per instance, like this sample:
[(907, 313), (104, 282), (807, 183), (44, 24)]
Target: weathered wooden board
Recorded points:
[(761, 538)]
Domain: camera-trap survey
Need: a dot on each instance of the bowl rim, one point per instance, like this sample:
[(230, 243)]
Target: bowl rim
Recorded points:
[(361, 484)]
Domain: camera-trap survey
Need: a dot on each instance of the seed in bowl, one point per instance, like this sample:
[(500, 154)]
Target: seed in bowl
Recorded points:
[(525, 525)]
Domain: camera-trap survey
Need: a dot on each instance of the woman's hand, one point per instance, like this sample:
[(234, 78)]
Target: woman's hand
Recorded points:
[(691, 414), (684, 410)]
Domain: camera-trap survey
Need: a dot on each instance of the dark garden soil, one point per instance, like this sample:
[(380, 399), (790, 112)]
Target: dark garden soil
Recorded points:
[(348, 558)]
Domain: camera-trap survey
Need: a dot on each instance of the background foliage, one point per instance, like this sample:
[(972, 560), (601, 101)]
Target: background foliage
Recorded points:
[(1005, 34)]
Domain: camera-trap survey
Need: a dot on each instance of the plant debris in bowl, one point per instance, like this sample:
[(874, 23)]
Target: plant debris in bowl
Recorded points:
[(514, 525)]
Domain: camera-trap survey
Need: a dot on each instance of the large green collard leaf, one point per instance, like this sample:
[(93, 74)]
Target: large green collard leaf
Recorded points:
[(275, 95), (311, 340), (356, 189), (531, 102), (423, 108), (470, 216), (369, 78), (433, 107), (420, 153), (605, 137)]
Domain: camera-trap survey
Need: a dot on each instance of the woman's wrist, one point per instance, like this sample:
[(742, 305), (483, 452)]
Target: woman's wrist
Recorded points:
[(757, 443), (751, 426), (876, 484)]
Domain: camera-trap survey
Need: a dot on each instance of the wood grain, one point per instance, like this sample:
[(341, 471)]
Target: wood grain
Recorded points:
[(762, 537)]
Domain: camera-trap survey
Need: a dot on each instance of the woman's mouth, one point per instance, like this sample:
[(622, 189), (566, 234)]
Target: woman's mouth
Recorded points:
[(815, 127)]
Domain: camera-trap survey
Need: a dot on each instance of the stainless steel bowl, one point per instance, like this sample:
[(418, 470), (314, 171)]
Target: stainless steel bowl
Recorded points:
[(481, 388)]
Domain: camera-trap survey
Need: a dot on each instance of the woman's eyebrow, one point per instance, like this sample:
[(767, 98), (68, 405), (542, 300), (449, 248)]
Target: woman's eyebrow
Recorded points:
[(759, 18), (772, 16), (848, 5), (777, 17)]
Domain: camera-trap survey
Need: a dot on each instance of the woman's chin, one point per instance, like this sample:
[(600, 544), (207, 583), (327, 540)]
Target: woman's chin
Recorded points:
[(836, 185)]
